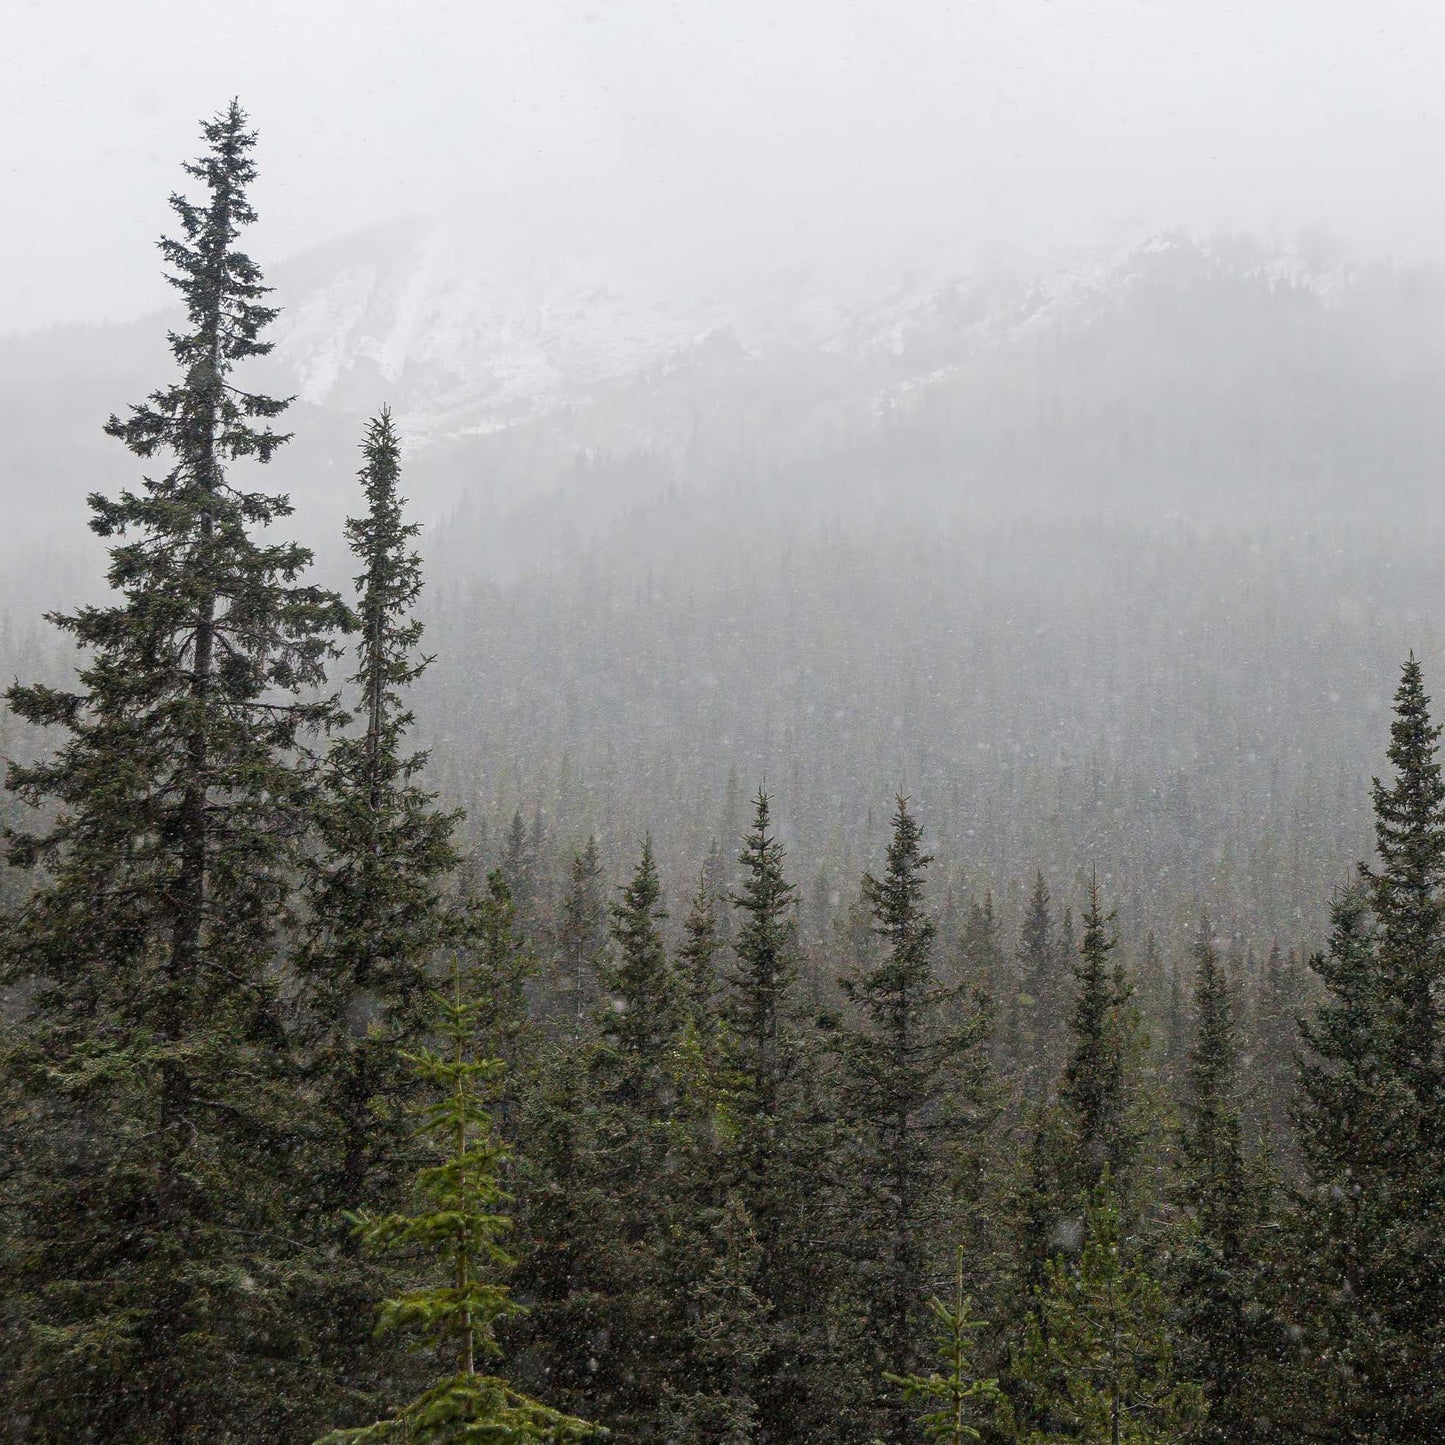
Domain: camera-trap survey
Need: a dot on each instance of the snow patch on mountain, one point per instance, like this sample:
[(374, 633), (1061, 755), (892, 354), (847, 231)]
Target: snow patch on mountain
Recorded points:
[(463, 334)]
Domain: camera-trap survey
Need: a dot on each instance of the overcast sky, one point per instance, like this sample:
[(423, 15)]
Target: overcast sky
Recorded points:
[(789, 128)]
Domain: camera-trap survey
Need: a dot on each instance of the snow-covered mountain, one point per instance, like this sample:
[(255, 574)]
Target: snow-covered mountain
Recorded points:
[(1194, 375), (462, 336)]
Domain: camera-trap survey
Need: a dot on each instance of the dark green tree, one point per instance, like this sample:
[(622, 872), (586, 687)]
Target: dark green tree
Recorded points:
[(1228, 1337), (910, 1090), (1039, 1000), (772, 1160), (581, 943), (1095, 1124), (1282, 1002), (1099, 1091), (726, 1341), (697, 958), (157, 1265), (1370, 1228), (376, 919), (633, 1071), (1408, 901), (641, 1014)]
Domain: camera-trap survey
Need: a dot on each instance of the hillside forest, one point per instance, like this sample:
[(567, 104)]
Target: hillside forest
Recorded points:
[(786, 960)]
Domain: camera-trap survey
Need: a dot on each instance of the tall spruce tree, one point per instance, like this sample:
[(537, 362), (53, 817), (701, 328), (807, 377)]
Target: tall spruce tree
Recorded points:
[(581, 943), (1373, 1213), (1281, 1002), (697, 957), (726, 1336), (1407, 897), (377, 917), (771, 1162), (910, 1090), (1228, 1340), (633, 1071), (1095, 1125), (1039, 999), (1098, 1093), (1369, 1229), (157, 1262), (1211, 1153)]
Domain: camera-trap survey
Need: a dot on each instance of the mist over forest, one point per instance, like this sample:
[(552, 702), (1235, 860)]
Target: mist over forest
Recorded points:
[(1107, 568), (734, 744)]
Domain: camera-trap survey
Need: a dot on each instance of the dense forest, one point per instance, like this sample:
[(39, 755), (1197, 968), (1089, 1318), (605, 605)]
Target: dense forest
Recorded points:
[(886, 1045)]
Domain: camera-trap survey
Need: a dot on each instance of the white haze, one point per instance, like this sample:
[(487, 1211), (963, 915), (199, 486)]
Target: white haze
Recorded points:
[(718, 136)]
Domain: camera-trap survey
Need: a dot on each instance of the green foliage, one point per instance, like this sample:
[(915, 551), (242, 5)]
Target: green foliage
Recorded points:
[(581, 942), (726, 1342), (458, 1229), (772, 1149), (1038, 1004), (910, 1099), (1097, 1362), (376, 918), (955, 1391), (697, 958), (1230, 1342), (1365, 1289), (158, 1124), (1098, 1095)]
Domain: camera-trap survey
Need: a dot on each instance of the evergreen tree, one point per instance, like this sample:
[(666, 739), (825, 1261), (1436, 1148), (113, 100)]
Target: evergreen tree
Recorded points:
[(1039, 1002), (519, 866), (1095, 1124), (1098, 1094), (566, 1216), (498, 966), (1281, 1003), (641, 1016), (955, 1391), (1228, 1336), (771, 1148), (633, 1070), (581, 942), (376, 919), (726, 1343), (909, 1090), (157, 1260), (1408, 901), (1210, 1150), (698, 955), (1350, 1290), (1097, 1364), (983, 958), (460, 1226), (1373, 1213)]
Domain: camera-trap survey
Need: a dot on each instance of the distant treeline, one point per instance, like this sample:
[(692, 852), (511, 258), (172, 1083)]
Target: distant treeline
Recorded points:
[(326, 1117)]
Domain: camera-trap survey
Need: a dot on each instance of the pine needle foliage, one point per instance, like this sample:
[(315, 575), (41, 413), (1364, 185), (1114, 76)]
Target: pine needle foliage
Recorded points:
[(1369, 1229), (1097, 1364), (771, 1154), (161, 1120), (1098, 1091), (376, 918), (958, 1395), (911, 1077), (458, 1230)]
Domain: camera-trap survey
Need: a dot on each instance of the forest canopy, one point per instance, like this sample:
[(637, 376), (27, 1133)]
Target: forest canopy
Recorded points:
[(352, 1093)]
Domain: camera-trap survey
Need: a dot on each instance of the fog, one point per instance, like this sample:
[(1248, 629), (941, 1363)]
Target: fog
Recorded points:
[(820, 131), (854, 582)]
